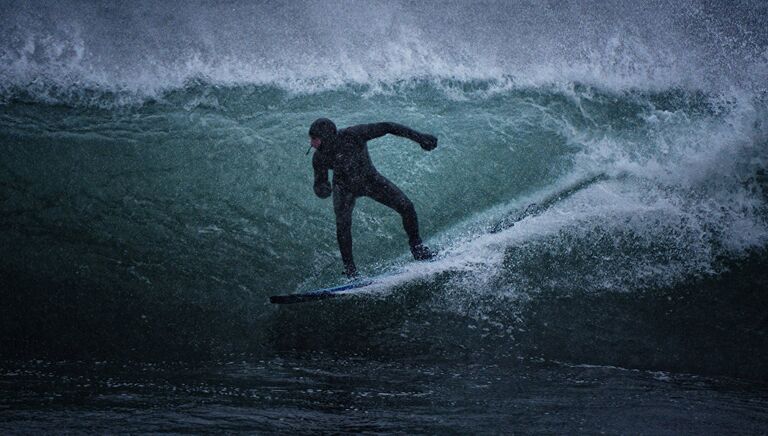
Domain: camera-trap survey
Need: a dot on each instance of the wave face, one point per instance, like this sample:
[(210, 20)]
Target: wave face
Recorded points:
[(599, 192)]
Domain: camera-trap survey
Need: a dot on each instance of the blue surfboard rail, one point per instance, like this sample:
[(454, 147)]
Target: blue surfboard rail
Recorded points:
[(319, 294), (336, 291)]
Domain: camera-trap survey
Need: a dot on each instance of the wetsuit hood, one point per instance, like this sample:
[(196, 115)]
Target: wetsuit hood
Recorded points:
[(324, 129)]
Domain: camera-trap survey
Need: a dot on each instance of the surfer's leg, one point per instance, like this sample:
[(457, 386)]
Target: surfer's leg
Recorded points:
[(385, 192), (343, 203)]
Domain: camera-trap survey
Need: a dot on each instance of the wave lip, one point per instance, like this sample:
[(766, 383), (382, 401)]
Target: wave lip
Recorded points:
[(59, 52)]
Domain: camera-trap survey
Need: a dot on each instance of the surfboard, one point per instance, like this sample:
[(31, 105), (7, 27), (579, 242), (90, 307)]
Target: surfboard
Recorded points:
[(321, 294), (353, 287)]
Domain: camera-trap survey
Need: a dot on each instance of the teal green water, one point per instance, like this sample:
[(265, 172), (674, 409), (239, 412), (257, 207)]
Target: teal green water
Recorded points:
[(198, 205)]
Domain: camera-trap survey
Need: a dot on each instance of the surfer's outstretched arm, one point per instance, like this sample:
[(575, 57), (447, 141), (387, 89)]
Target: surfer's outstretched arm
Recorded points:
[(366, 132), (322, 187)]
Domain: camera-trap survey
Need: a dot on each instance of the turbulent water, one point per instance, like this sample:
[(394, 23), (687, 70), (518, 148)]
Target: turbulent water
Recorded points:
[(598, 196)]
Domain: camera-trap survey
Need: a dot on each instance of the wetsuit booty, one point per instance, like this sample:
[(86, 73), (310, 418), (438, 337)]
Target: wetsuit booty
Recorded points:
[(421, 252), (350, 270)]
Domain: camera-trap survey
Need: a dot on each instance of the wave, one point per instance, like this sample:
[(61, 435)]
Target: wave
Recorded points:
[(150, 207), (66, 53)]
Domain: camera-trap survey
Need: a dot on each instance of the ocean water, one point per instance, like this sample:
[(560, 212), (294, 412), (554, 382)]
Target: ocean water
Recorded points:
[(598, 199)]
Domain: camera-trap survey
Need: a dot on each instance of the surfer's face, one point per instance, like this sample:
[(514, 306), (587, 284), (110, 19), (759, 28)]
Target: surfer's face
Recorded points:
[(315, 142)]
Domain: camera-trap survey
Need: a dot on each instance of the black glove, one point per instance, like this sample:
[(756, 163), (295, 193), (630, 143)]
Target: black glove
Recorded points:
[(323, 190), (428, 142)]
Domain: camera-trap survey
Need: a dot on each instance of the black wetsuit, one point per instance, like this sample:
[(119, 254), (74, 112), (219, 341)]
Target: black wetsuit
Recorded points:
[(346, 153)]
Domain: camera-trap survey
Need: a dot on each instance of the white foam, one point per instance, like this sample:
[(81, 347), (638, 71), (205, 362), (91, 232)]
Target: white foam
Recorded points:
[(676, 199), (56, 50)]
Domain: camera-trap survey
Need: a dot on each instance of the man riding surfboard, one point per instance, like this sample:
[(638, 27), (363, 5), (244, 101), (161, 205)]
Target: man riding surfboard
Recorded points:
[(345, 151)]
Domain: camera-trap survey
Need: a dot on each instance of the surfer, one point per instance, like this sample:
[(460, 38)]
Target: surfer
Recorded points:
[(345, 152)]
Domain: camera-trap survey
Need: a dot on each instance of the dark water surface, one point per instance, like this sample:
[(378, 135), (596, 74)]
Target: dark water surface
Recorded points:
[(318, 393)]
